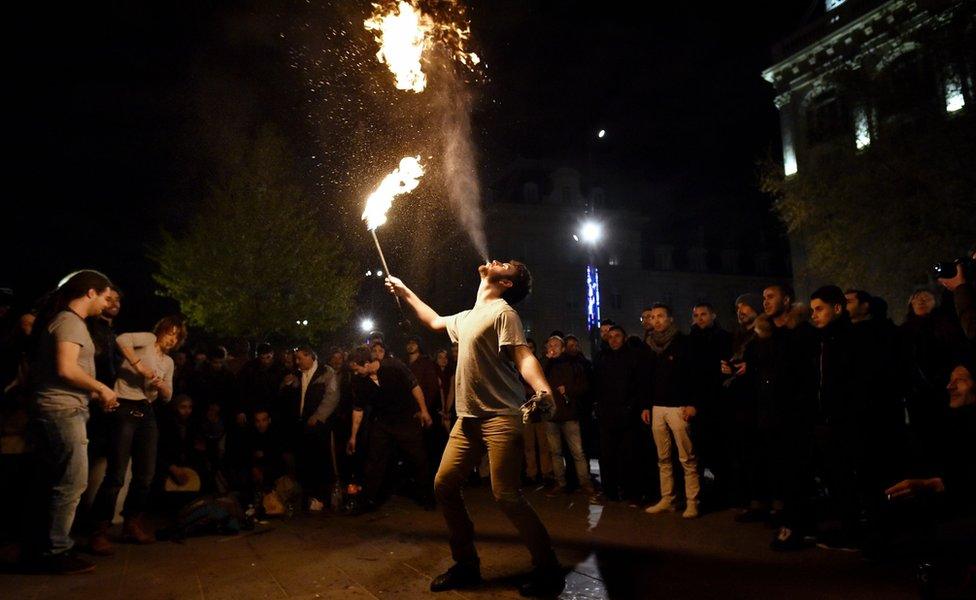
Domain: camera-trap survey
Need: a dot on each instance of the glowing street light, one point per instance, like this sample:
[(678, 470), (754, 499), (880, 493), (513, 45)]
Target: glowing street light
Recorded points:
[(601, 134), (591, 232), (367, 325)]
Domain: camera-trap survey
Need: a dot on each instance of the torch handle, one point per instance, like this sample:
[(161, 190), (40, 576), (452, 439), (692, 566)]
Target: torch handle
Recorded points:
[(386, 268)]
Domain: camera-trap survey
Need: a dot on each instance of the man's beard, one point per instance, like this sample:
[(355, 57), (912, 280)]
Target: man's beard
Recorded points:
[(496, 278)]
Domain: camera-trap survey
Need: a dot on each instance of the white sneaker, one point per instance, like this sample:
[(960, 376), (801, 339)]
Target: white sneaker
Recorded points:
[(662, 506), (691, 511)]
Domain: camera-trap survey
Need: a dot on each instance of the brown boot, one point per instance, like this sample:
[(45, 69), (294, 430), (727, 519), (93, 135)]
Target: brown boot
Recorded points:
[(134, 531), (99, 543)]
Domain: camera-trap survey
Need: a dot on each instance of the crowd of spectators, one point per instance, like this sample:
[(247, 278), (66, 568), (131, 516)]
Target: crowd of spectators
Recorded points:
[(822, 418)]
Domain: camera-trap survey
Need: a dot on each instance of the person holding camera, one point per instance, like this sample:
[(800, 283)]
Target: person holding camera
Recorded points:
[(957, 277)]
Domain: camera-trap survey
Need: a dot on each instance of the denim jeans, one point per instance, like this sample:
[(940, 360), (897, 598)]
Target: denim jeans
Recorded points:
[(501, 438), (570, 430), (132, 434), (61, 441)]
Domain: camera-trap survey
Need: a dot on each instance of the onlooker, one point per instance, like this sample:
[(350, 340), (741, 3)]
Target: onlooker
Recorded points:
[(709, 346), (260, 459), (315, 400), (63, 377), (567, 377), (396, 407), (739, 438), (785, 346), (929, 337), (258, 382), (424, 369), (182, 456), (621, 387), (964, 297), (145, 378), (213, 382), (671, 407)]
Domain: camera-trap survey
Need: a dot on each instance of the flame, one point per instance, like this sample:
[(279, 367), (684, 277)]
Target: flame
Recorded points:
[(402, 180), (405, 33)]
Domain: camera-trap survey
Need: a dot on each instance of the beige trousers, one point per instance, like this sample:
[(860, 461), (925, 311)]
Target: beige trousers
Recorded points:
[(667, 421), (501, 438)]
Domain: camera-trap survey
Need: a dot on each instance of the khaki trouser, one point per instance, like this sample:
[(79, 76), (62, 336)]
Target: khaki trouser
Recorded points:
[(663, 420), (501, 437), (535, 438)]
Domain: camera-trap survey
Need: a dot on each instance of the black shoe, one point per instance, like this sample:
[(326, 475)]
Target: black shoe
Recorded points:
[(66, 563), (544, 581), (457, 577)]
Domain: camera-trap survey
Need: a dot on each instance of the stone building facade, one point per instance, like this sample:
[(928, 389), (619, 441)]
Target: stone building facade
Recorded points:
[(865, 72)]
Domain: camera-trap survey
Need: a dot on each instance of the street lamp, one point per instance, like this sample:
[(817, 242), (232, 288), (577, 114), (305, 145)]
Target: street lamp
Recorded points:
[(367, 325), (591, 232)]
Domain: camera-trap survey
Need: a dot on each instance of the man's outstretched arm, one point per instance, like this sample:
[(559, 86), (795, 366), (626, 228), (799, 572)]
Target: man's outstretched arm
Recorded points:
[(426, 314), (528, 366)]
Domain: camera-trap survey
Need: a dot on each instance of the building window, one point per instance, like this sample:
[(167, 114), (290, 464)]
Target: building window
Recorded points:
[(862, 128), (826, 120), (906, 87), (954, 98), (789, 158)]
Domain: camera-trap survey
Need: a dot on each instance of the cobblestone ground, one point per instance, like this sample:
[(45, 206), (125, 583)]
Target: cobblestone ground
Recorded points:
[(614, 551)]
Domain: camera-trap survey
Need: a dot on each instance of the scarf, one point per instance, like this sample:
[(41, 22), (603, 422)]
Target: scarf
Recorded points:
[(659, 341)]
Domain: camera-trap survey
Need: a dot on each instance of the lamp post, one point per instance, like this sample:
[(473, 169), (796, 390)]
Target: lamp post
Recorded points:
[(591, 232)]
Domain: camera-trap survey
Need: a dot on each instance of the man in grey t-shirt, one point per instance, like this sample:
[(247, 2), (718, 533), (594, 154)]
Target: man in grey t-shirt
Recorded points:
[(491, 355), (63, 376)]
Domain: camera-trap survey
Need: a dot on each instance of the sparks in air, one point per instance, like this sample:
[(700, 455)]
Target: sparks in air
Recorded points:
[(405, 33), (402, 180)]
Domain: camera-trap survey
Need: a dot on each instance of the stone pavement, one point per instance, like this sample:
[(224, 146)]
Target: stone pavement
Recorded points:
[(615, 552)]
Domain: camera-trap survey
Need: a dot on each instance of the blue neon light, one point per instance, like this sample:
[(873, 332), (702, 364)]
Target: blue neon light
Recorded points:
[(592, 296)]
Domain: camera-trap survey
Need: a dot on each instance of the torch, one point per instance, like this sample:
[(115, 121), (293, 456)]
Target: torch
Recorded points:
[(402, 180)]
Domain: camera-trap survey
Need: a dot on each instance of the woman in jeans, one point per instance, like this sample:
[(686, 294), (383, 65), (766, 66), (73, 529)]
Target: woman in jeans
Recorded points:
[(144, 378)]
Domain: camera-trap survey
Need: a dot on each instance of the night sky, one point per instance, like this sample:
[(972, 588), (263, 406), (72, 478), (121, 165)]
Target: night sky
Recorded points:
[(125, 111)]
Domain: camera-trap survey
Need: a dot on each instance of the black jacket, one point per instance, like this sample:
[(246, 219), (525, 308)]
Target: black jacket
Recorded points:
[(569, 373), (672, 375), (709, 347), (622, 381), (784, 364)]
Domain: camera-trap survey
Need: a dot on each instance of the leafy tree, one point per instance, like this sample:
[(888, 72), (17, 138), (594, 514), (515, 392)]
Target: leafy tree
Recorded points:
[(880, 218), (256, 258)]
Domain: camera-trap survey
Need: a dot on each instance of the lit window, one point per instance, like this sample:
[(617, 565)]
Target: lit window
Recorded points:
[(862, 129), (789, 159), (953, 94)]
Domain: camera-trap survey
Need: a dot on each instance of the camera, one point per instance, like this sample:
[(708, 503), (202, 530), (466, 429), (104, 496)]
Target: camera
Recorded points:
[(947, 269)]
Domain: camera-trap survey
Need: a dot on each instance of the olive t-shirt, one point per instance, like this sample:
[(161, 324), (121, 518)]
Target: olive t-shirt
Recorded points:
[(486, 383), (51, 392)]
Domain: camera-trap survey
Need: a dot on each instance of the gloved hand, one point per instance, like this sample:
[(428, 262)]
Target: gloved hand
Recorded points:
[(540, 407)]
